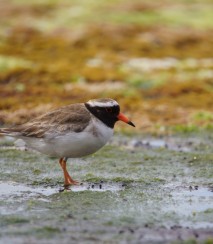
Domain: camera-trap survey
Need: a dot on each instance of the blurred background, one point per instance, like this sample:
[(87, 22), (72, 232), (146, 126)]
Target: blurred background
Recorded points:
[(154, 57)]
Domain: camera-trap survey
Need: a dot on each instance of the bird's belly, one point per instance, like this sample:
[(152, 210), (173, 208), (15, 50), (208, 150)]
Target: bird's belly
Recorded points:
[(77, 145), (84, 143)]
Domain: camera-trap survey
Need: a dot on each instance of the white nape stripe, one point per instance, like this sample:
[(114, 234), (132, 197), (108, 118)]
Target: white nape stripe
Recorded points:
[(110, 103)]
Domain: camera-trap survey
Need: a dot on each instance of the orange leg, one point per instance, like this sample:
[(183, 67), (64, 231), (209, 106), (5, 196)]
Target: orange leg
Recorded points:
[(67, 178)]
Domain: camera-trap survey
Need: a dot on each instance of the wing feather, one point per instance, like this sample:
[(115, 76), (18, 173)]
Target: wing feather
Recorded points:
[(74, 117)]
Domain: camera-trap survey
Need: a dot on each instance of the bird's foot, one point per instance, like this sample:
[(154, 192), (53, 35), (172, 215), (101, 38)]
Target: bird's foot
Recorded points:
[(71, 182), (65, 188), (75, 182), (68, 185)]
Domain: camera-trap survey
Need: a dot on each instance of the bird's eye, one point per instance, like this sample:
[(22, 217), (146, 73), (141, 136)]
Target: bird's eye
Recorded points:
[(109, 110)]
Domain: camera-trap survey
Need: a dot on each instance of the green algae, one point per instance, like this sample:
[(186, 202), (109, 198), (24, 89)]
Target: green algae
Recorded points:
[(47, 232), (13, 220)]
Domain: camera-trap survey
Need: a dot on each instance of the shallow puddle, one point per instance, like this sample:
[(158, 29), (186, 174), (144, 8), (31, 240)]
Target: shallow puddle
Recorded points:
[(98, 187), (14, 189), (192, 202), (173, 144)]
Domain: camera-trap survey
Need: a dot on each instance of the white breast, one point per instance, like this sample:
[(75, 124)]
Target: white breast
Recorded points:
[(72, 144)]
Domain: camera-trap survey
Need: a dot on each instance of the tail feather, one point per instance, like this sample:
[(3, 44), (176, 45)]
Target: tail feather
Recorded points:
[(9, 132)]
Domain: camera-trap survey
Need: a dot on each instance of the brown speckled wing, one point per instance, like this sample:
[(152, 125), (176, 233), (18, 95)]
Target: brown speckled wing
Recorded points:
[(74, 117)]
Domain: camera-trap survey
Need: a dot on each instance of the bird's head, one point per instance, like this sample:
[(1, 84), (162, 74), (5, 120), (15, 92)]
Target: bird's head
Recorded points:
[(107, 110)]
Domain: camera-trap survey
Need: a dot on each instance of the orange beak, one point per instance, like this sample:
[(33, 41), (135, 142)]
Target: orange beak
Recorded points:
[(123, 118)]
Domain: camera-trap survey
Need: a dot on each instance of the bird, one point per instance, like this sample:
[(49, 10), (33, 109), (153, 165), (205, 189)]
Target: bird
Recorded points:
[(71, 131)]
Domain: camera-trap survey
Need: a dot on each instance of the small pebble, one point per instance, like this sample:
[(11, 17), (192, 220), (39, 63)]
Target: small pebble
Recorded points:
[(196, 234), (70, 216), (121, 231), (174, 227), (131, 230)]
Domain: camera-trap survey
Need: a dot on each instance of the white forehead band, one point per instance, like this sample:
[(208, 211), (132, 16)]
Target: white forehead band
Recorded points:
[(109, 103)]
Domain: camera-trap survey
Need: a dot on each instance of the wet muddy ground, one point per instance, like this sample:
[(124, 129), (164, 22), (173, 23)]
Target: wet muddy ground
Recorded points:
[(136, 189)]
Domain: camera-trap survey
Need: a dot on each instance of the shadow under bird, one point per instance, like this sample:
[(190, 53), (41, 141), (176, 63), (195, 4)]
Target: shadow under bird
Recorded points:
[(71, 131)]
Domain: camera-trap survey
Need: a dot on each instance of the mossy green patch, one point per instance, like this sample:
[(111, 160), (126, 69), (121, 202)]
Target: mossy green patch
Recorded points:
[(209, 241), (46, 232), (8, 63), (13, 220)]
